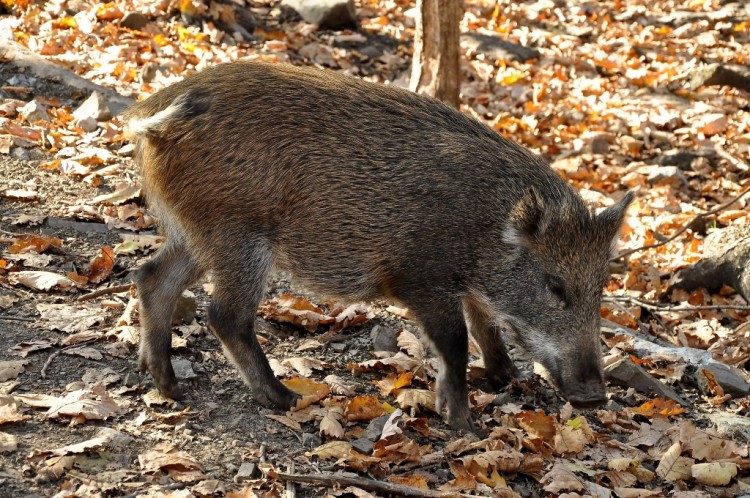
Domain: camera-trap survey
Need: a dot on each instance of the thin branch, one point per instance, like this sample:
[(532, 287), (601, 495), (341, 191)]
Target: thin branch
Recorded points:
[(16, 318), (333, 480), (105, 292), (670, 307), (729, 157), (685, 227), (54, 354)]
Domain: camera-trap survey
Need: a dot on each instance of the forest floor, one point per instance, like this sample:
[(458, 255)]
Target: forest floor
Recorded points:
[(618, 95)]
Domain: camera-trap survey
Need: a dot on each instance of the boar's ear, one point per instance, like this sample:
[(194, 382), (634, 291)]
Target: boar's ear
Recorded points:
[(527, 220), (611, 218)]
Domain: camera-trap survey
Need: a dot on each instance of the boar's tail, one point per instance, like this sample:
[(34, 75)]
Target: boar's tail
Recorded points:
[(186, 106)]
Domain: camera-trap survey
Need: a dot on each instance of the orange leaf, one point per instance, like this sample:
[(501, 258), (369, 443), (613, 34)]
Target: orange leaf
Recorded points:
[(392, 382), (659, 407), (538, 424), (101, 265), (311, 391), (363, 408), (32, 242)]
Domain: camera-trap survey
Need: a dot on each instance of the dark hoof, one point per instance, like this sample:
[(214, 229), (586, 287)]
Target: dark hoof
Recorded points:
[(584, 403), (281, 397)]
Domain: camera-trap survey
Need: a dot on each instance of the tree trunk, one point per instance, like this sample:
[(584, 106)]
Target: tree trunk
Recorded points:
[(435, 68)]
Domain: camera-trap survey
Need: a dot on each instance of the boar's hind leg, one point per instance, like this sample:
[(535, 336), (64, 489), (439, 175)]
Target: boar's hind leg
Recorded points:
[(446, 328), (238, 291), (160, 283), (498, 365)]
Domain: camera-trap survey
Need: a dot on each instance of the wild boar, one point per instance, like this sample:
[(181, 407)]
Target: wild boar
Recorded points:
[(364, 191)]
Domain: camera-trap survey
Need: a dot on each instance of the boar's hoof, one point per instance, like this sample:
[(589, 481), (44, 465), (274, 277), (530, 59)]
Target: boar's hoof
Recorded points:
[(591, 401), (461, 422), (277, 397), (501, 378), (164, 379)]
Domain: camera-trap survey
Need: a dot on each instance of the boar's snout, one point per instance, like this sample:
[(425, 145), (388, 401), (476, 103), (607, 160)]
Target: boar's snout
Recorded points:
[(584, 385), (587, 399)]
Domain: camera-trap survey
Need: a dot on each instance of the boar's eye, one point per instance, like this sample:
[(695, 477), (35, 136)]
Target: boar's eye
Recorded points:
[(556, 288)]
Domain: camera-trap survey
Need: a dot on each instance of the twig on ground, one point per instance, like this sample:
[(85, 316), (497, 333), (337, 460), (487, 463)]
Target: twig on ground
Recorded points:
[(47, 363), (54, 354), (682, 230), (105, 292), (333, 480), (16, 318), (729, 157), (670, 307), (291, 489)]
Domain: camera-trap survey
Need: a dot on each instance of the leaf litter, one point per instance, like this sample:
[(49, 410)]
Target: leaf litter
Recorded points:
[(594, 101)]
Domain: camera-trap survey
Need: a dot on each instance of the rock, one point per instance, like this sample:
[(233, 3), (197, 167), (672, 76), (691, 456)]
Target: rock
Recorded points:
[(148, 72), (339, 347), (722, 75), (34, 111), (375, 428), (363, 445), (246, 472), (383, 339), (184, 311), (683, 159), (310, 440), (493, 47), (88, 124), (665, 174), (325, 13), (628, 374), (93, 107), (599, 144), (131, 380), (183, 369), (134, 20), (730, 425), (729, 378), (116, 438)]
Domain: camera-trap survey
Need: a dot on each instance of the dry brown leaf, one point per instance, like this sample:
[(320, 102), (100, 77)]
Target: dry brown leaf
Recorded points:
[(410, 343), (41, 280), (674, 467), (330, 424), (561, 478), (714, 473), (463, 481), (304, 365), (538, 424), (399, 361), (416, 398), (334, 449), (8, 443), (363, 408), (393, 382), (413, 481), (282, 419), (9, 412), (156, 398), (85, 404), (71, 318), (178, 464), (12, 369), (339, 386)]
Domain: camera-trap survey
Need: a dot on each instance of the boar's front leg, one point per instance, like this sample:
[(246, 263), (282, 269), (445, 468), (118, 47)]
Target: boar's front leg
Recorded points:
[(239, 289), (497, 364), (160, 283), (446, 328)]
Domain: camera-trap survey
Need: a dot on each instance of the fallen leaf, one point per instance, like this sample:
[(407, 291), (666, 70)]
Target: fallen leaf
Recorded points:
[(304, 365), (9, 411), (70, 318), (393, 382), (40, 280), (334, 449), (714, 473), (560, 478), (330, 424), (410, 343), (8, 443), (86, 404), (363, 408), (674, 467), (311, 391), (282, 419), (658, 407), (538, 424), (339, 386), (416, 398), (12, 369), (32, 242)]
